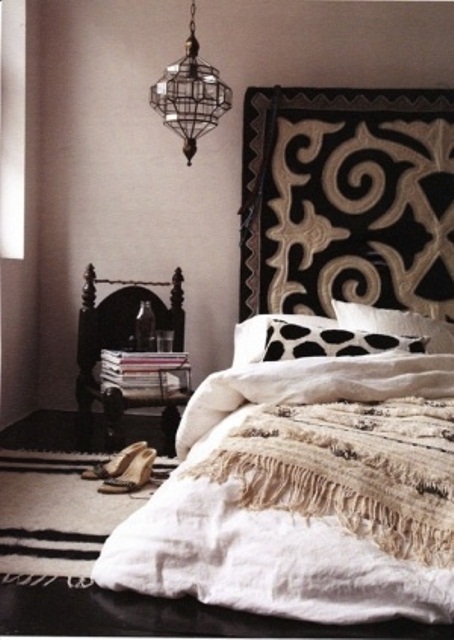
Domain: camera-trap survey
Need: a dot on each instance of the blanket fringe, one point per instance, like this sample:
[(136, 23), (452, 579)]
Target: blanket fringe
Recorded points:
[(272, 483)]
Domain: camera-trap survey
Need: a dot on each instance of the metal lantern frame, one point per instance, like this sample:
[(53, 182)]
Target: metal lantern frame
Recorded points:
[(190, 96)]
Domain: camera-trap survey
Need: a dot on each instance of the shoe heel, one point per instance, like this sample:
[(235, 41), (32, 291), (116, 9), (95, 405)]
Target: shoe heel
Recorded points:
[(136, 475), (117, 464)]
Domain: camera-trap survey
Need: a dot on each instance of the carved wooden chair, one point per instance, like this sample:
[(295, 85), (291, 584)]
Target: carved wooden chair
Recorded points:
[(110, 325)]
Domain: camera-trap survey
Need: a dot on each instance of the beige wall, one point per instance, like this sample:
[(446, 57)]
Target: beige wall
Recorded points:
[(115, 189)]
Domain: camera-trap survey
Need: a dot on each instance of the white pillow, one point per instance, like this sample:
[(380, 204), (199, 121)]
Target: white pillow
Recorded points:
[(352, 315), (250, 335)]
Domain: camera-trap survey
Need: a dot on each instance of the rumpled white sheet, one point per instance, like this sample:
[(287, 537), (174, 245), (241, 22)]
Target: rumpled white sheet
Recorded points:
[(307, 380), (191, 539)]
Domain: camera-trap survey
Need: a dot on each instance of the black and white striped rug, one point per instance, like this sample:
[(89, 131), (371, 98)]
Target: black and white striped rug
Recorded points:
[(52, 523)]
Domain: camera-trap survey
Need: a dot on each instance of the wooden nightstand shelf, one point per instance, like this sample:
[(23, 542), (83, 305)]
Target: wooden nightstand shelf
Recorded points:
[(165, 379), (135, 379)]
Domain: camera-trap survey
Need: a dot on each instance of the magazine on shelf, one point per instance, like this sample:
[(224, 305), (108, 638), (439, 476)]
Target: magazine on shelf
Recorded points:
[(143, 356), (164, 380), (137, 361), (141, 369)]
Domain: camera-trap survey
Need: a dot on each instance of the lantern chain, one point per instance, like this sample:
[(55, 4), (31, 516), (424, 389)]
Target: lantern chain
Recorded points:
[(192, 23)]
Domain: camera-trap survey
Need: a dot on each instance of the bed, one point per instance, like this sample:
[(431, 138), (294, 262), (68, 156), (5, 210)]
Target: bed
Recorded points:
[(316, 480)]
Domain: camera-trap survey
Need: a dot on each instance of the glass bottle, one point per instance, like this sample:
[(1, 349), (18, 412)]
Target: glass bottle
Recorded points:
[(145, 327)]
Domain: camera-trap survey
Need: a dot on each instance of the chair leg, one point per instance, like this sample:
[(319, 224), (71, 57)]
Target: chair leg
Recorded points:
[(84, 417), (113, 404), (170, 420)]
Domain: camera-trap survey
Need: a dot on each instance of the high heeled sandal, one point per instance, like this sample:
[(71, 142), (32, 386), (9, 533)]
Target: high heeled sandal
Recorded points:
[(116, 465), (135, 477)]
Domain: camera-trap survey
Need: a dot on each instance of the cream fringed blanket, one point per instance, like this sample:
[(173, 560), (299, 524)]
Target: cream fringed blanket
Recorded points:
[(385, 469)]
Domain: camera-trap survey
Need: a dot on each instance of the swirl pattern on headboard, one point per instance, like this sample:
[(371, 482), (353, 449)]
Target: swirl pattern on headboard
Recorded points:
[(356, 200)]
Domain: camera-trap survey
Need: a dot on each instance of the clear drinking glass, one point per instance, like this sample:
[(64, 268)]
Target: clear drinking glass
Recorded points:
[(164, 340)]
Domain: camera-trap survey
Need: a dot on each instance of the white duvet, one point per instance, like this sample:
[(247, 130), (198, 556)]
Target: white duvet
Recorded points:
[(190, 538)]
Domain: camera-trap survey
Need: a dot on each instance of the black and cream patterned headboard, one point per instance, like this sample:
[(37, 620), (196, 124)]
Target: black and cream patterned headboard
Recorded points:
[(348, 194)]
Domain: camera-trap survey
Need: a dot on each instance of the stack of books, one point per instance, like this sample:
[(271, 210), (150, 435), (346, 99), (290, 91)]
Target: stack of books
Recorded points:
[(145, 370)]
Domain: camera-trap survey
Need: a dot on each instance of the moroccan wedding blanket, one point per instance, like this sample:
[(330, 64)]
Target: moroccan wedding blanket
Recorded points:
[(366, 441), (385, 469)]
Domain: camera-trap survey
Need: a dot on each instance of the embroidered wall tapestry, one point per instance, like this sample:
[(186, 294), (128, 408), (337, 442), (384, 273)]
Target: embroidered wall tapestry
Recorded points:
[(348, 194)]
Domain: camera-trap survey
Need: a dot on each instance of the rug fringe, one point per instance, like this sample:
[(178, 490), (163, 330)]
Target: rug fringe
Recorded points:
[(24, 580), (79, 583)]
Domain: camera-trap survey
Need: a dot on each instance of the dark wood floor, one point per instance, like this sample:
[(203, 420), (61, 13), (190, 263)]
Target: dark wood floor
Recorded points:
[(57, 610)]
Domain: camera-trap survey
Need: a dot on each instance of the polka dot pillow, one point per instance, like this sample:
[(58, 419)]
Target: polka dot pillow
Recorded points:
[(286, 341)]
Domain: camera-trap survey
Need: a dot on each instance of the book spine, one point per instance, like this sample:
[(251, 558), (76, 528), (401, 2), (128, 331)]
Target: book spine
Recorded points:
[(143, 368)]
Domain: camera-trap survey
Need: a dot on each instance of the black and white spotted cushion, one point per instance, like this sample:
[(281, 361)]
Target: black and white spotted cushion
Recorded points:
[(286, 341)]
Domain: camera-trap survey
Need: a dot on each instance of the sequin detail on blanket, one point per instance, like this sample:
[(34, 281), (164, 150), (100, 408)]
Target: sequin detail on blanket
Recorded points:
[(386, 469)]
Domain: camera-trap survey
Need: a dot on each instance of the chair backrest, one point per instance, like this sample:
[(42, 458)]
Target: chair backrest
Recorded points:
[(111, 323)]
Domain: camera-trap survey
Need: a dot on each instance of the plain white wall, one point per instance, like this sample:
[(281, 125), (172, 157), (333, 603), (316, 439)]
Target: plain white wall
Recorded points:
[(115, 189)]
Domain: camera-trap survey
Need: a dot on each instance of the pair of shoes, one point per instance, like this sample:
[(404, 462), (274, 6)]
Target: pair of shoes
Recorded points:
[(135, 477), (117, 465)]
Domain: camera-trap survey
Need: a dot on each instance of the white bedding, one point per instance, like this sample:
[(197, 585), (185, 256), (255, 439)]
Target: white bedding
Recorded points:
[(190, 538)]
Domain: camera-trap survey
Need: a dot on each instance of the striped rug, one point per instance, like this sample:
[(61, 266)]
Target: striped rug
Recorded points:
[(52, 523)]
